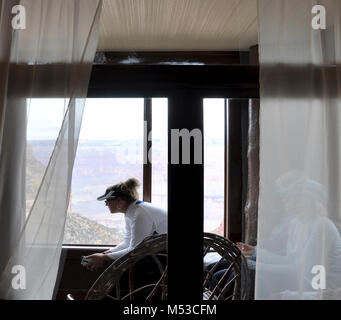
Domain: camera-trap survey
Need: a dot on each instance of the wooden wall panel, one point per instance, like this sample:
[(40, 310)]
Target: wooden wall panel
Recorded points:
[(76, 279)]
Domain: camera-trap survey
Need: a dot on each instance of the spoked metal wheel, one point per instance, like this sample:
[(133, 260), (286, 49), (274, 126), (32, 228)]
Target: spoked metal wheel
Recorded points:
[(109, 285), (228, 277)]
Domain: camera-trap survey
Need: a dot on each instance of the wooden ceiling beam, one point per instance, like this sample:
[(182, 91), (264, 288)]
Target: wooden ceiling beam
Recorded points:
[(171, 57)]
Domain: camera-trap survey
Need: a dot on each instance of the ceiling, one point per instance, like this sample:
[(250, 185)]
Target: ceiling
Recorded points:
[(178, 25)]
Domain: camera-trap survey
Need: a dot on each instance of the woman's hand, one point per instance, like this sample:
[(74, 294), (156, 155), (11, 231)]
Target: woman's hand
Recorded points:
[(96, 261), (246, 249)]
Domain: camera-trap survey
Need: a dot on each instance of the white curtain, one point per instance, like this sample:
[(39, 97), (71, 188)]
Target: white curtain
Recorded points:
[(299, 246), (51, 58)]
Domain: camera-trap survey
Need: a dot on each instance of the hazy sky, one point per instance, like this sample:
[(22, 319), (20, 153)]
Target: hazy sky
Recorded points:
[(114, 118)]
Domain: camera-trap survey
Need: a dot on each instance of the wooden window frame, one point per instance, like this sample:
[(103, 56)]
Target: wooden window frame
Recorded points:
[(182, 84), (185, 87), (228, 80)]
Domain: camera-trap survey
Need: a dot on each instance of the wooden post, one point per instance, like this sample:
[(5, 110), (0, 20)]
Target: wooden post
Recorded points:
[(251, 207), (185, 204)]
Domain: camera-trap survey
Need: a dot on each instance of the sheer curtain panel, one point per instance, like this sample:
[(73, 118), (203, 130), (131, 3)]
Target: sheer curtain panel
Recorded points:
[(299, 246), (45, 59)]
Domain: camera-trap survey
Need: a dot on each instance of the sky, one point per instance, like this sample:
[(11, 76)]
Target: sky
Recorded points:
[(108, 118)]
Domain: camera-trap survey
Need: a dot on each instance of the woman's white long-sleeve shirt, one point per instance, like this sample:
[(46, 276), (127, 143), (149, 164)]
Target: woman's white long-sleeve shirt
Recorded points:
[(142, 219)]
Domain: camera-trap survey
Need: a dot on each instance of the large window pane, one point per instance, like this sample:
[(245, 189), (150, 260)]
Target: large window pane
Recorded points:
[(214, 166), (159, 151), (110, 150), (44, 120)]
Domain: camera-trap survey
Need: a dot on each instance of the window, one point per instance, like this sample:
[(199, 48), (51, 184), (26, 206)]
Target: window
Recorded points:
[(110, 150), (44, 119), (214, 165)]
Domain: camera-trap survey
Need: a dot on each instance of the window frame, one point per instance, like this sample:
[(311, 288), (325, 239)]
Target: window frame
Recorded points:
[(229, 81), (220, 77)]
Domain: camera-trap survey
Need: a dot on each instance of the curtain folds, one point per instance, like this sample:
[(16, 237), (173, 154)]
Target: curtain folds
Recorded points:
[(50, 59), (299, 246)]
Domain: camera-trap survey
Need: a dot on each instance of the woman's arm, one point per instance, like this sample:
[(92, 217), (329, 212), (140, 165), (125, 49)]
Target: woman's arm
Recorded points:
[(140, 228), (125, 243)]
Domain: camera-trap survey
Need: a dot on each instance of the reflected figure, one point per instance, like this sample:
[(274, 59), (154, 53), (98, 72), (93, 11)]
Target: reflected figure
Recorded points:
[(277, 233), (286, 268)]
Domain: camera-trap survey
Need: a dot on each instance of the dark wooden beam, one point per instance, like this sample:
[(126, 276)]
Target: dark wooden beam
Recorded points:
[(233, 81), (185, 205), (254, 55), (305, 81), (171, 57), (237, 108), (140, 81), (155, 81)]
